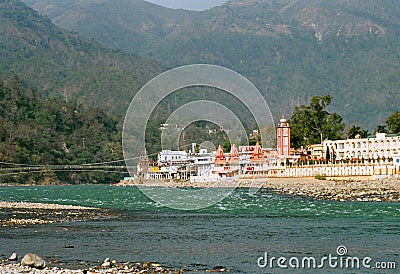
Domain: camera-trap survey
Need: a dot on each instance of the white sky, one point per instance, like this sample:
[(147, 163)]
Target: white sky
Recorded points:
[(188, 4)]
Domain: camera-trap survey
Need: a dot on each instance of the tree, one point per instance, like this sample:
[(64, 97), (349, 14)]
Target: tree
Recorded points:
[(393, 122), (353, 132), (52, 132), (312, 124), (227, 145), (356, 130), (381, 129), (364, 133), (328, 154)]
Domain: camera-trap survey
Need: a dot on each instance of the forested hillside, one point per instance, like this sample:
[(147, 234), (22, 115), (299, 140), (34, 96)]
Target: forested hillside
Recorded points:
[(60, 63), (291, 50), (38, 131)]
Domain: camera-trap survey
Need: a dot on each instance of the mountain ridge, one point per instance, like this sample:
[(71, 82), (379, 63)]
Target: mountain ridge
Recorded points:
[(60, 63), (291, 50)]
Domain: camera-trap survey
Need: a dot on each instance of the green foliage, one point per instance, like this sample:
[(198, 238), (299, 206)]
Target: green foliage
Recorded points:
[(312, 124), (198, 131), (34, 131), (291, 52), (320, 176), (393, 122), (63, 64), (226, 146), (381, 129), (355, 131)]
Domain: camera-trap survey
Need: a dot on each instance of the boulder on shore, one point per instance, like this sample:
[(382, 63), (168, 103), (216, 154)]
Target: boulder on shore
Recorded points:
[(33, 260), (106, 263), (13, 257)]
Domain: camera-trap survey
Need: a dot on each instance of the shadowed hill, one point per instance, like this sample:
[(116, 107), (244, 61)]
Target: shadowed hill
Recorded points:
[(58, 62), (291, 50)]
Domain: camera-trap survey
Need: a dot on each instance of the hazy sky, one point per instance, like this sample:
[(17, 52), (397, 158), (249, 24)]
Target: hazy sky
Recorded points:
[(188, 4)]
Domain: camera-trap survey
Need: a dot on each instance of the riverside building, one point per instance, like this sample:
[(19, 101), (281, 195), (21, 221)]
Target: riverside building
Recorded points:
[(381, 147), (374, 156)]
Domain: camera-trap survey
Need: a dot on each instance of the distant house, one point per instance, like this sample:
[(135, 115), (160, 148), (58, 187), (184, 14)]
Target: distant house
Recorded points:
[(316, 152)]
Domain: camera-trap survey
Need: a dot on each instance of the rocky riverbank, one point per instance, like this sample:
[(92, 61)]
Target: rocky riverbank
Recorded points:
[(42, 206), (385, 190), (349, 189), (118, 268), (108, 266)]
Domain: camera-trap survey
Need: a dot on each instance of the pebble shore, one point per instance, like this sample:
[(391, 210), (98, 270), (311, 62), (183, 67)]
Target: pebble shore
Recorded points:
[(112, 267), (385, 190), (22, 214), (42, 206), (351, 189), (118, 268)]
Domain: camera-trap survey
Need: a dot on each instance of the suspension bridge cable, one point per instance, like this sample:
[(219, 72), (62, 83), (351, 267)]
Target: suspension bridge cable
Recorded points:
[(61, 170), (87, 164)]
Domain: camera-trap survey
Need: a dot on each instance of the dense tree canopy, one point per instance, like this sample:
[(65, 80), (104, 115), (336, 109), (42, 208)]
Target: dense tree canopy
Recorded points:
[(34, 131), (355, 57), (313, 123), (53, 131), (393, 122)]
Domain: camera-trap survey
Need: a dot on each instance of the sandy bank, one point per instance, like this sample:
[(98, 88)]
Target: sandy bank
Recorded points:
[(22, 214), (42, 206)]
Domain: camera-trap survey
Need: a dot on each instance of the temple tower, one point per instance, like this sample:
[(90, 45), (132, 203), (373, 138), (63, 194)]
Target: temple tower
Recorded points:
[(233, 158), (220, 159), (283, 138), (257, 156)]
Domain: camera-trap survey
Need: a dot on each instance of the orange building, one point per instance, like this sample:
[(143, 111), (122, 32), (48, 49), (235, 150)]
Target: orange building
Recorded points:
[(220, 159), (233, 158), (258, 155)]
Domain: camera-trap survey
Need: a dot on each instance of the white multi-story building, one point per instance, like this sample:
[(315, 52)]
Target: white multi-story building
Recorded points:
[(382, 146), (172, 158), (396, 159), (204, 162)]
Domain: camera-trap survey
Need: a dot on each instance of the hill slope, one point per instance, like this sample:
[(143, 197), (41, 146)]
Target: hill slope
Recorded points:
[(58, 62), (292, 50), (49, 132)]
